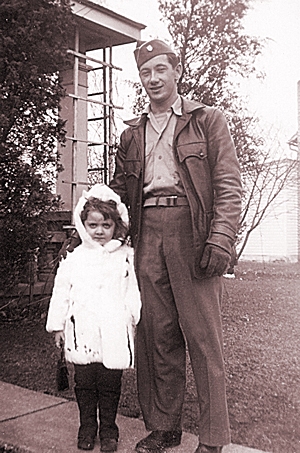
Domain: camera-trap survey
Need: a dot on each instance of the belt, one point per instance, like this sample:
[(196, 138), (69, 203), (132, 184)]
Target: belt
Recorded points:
[(170, 201)]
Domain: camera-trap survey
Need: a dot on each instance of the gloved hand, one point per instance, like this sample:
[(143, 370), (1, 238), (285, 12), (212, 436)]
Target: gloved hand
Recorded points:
[(214, 260)]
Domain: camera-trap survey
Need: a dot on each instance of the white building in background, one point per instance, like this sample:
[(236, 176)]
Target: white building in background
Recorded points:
[(277, 238)]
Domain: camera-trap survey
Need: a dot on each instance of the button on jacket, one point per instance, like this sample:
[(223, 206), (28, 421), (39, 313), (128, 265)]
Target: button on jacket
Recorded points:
[(208, 169)]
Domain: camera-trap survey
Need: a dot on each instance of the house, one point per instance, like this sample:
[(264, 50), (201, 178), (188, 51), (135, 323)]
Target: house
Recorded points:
[(277, 238), (89, 104)]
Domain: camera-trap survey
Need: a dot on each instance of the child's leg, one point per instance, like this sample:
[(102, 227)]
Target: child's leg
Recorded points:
[(109, 388), (87, 400)]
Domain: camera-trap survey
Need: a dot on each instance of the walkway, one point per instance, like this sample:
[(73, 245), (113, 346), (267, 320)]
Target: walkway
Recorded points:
[(32, 422)]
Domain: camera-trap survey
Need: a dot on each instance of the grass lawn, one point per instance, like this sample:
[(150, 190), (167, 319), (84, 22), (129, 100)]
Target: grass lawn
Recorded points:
[(261, 320)]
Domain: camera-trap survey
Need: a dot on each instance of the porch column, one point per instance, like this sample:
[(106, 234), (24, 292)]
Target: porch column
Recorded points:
[(72, 180)]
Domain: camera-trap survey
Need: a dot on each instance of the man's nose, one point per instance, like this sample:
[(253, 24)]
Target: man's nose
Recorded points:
[(153, 76)]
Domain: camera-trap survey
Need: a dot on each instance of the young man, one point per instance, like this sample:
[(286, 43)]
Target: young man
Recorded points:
[(177, 171)]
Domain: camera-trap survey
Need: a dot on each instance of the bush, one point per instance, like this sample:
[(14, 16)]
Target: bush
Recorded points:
[(34, 40)]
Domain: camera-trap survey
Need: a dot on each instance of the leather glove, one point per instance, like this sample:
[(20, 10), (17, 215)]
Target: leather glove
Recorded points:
[(214, 260)]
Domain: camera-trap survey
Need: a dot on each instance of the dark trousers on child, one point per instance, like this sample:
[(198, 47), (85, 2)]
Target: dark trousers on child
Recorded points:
[(97, 387)]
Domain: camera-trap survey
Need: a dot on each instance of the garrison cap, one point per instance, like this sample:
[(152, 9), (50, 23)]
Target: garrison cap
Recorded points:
[(149, 49)]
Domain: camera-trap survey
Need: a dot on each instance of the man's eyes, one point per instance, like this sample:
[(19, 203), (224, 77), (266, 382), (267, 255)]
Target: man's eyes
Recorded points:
[(160, 69)]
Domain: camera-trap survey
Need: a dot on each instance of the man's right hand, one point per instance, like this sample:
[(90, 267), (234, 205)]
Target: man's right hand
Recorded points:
[(69, 245)]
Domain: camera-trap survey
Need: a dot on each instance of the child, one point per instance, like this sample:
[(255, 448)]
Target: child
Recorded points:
[(93, 310)]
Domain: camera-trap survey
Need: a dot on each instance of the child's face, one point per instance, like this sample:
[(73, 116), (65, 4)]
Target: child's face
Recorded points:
[(100, 230)]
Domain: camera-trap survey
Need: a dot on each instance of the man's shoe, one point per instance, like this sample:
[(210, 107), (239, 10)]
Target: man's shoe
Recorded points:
[(206, 449), (86, 442), (108, 444), (157, 441)]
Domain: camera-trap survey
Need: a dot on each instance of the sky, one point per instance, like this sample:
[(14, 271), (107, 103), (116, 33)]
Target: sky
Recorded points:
[(274, 100)]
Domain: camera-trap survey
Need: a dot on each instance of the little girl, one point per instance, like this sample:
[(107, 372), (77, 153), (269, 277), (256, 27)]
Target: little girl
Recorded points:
[(94, 308)]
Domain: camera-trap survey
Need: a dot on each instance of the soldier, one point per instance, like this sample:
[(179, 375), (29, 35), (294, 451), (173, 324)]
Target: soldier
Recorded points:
[(178, 173)]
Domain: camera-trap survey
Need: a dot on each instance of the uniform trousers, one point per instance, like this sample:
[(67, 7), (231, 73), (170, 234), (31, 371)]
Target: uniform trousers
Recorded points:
[(178, 310), (97, 387)]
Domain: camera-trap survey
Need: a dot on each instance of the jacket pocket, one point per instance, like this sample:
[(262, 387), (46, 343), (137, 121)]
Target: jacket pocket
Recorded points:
[(193, 158), (132, 168), (195, 150)]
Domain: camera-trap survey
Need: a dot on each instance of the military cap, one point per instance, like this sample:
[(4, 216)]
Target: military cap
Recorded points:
[(149, 49)]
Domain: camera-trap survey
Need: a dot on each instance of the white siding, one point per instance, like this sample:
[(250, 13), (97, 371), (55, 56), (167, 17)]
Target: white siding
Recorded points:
[(276, 238)]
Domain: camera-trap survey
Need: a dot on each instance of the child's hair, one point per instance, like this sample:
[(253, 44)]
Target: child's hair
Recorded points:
[(109, 211)]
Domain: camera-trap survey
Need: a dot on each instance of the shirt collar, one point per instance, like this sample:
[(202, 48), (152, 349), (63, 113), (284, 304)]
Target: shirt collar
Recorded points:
[(176, 107)]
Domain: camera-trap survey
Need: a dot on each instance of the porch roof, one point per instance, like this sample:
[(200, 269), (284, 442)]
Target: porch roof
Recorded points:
[(101, 27)]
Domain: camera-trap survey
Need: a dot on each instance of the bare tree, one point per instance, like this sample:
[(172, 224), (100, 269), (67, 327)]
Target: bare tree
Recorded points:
[(263, 182)]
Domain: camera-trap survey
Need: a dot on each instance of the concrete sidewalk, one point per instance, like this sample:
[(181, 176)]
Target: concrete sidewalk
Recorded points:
[(32, 422)]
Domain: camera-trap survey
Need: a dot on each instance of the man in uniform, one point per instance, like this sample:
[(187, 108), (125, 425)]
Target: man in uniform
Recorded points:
[(178, 173)]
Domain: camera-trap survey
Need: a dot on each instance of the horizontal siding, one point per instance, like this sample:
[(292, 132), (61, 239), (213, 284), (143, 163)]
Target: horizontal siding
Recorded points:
[(276, 238)]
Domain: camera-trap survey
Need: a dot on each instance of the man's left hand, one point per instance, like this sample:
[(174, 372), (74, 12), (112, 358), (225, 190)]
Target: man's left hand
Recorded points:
[(214, 261)]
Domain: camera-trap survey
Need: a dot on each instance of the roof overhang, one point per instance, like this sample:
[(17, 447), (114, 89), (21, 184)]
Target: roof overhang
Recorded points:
[(101, 27)]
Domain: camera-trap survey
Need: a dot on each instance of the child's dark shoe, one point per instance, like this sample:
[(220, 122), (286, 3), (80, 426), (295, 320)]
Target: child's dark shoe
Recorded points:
[(108, 444), (86, 442)]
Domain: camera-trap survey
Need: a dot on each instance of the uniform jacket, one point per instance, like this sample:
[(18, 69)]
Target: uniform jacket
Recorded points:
[(96, 302), (208, 167)]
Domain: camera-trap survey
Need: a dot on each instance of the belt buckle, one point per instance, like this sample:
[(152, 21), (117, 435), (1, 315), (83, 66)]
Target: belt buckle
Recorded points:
[(172, 200)]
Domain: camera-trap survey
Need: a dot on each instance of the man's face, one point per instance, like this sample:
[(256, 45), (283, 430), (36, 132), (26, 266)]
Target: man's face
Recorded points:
[(159, 79)]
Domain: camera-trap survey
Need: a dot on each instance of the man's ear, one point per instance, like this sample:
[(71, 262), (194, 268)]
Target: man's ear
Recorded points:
[(178, 71)]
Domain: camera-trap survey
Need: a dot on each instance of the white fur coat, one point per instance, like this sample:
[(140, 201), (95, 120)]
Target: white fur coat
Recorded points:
[(96, 302)]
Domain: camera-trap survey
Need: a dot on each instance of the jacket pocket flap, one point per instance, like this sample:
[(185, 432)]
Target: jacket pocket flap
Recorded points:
[(196, 149)]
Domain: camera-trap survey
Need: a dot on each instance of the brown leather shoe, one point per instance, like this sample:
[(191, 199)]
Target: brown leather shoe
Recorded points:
[(206, 449), (157, 441)]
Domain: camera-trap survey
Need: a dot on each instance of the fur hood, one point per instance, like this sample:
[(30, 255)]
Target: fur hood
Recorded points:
[(104, 193)]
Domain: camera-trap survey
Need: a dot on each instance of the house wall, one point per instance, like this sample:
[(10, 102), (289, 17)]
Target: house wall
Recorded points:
[(276, 238)]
